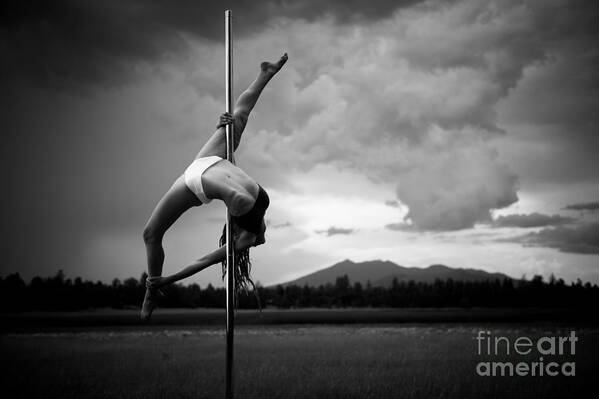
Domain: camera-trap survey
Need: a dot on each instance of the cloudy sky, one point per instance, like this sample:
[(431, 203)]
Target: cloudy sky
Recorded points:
[(456, 132)]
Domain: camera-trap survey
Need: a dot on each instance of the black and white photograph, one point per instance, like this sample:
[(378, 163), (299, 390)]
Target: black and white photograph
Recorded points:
[(299, 199)]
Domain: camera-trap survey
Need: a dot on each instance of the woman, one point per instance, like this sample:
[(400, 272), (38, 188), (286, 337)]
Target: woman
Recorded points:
[(211, 176)]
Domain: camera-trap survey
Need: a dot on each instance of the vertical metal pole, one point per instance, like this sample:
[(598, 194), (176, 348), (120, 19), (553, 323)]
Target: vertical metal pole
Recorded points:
[(230, 241)]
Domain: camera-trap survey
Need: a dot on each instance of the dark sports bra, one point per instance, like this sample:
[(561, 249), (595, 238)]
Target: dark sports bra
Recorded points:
[(252, 220)]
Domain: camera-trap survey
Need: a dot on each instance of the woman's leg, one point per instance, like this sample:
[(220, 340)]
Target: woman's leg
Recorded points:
[(177, 200), (248, 99), (217, 144)]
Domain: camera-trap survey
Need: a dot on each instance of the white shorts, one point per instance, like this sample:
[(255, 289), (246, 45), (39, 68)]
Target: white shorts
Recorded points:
[(193, 176)]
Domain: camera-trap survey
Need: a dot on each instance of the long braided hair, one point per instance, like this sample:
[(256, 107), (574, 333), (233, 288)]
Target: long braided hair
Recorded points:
[(242, 269)]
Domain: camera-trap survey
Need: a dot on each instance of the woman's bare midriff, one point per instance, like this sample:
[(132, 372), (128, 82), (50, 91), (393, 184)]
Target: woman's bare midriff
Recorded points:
[(231, 184)]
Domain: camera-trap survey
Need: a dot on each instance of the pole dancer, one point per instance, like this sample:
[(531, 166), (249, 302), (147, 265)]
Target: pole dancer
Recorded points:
[(211, 176)]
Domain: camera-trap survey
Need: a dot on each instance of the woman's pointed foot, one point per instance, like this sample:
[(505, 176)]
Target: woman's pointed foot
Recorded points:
[(274, 67), (150, 303)]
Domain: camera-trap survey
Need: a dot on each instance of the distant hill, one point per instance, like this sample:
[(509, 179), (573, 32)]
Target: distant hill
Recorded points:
[(381, 273)]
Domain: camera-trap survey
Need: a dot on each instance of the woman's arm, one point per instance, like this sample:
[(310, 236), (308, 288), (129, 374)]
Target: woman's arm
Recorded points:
[(244, 241), (199, 265), (205, 261)]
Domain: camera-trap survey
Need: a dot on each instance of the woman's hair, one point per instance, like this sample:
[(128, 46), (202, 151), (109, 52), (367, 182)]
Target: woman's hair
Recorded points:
[(243, 267)]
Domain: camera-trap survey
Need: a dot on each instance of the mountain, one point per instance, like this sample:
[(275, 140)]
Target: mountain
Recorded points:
[(381, 273), (362, 272)]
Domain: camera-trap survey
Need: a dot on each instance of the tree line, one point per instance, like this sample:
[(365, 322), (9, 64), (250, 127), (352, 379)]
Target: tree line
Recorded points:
[(61, 293)]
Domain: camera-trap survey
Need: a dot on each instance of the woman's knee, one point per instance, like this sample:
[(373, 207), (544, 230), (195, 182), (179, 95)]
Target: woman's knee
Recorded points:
[(239, 126), (241, 119), (151, 235)]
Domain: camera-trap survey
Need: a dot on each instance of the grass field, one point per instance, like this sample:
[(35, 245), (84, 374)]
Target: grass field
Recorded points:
[(281, 361)]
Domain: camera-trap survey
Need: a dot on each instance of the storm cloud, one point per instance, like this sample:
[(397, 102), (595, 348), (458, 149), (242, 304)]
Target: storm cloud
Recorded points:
[(398, 227), (331, 231), (410, 99), (414, 100), (531, 220), (65, 44), (582, 239), (585, 206)]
